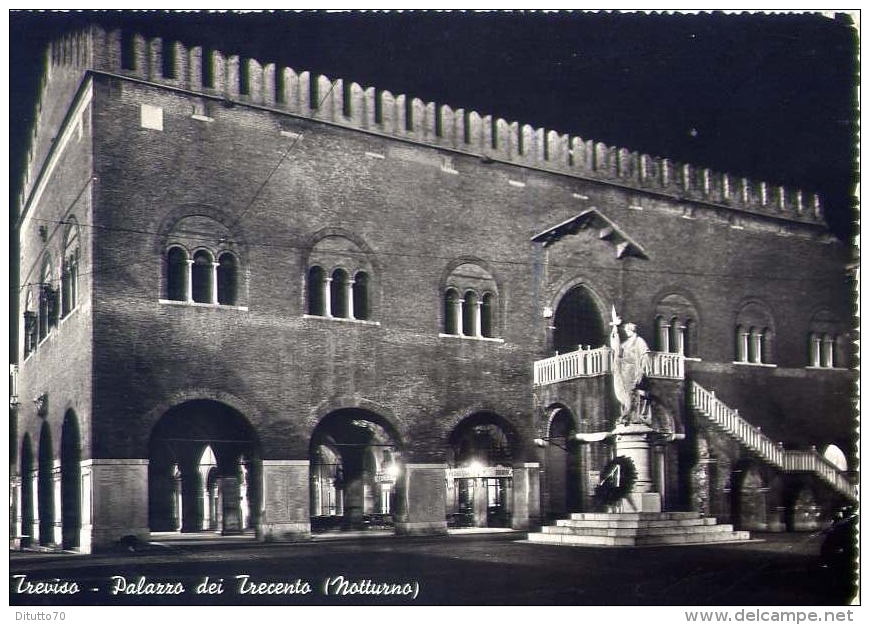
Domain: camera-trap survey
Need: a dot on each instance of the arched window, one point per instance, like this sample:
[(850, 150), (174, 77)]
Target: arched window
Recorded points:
[(676, 325), (689, 337), (30, 324), (741, 338), (339, 287), (339, 280), (470, 300), (70, 269), (316, 290), (754, 336), (677, 329), (486, 314), (48, 304), (663, 334), (452, 312), (361, 295), (202, 277), (212, 275), (176, 274), (470, 311), (227, 279), (827, 342)]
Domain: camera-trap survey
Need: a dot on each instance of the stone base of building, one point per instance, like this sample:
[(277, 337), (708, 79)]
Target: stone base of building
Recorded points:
[(112, 538), (283, 532), (423, 528)]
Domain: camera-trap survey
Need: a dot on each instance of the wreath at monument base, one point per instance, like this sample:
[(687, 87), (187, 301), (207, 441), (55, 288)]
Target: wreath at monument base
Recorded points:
[(616, 481)]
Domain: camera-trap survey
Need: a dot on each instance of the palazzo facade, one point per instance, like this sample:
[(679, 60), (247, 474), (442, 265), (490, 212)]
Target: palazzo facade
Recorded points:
[(256, 300)]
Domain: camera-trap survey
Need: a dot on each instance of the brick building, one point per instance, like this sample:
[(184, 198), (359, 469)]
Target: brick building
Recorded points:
[(255, 300)]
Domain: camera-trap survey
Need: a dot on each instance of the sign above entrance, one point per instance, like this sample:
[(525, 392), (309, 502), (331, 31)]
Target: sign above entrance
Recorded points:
[(461, 473)]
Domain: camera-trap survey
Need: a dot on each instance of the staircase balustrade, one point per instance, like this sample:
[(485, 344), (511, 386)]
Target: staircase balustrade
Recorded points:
[(728, 419)]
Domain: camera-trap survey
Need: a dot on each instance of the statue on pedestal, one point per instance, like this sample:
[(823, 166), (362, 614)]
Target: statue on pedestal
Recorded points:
[(631, 364)]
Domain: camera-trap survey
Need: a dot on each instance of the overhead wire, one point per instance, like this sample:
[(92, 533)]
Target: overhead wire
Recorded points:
[(433, 256)]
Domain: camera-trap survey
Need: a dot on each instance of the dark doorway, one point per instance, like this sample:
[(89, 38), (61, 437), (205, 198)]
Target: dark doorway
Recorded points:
[(27, 508), (45, 487), (70, 481), (562, 471), (578, 322)]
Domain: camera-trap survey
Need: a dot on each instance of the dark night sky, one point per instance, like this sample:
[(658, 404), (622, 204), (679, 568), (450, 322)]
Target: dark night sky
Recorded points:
[(768, 97)]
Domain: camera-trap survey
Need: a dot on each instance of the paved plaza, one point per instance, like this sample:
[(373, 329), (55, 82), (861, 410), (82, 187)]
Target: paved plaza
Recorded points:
[(461, 569)]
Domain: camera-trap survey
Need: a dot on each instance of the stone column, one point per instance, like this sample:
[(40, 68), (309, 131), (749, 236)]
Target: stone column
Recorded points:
[(214, 282), (743, 347), (420, 500), (755, 348), (478, 305), (457, 316), (15, 519), (526, 505), (664, 336), (188, 284), (632, 441), (827, 352), (57, 524), (326, 285), (348, 296), (114, 502), (34, 524), (816, 351), (286, 505)]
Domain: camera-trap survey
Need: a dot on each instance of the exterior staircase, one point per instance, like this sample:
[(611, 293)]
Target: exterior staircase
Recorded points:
[(706, 404), (637, 529)]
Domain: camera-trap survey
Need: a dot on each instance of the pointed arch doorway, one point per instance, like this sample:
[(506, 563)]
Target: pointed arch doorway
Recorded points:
[(578, 321)]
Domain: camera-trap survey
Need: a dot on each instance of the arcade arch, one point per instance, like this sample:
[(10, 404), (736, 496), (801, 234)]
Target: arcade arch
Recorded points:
[(481, 452), (355, 457), (203, 471)]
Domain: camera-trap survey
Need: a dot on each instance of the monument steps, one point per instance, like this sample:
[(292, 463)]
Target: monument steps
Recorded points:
[(627, 531), (620, 523), (637, 529)]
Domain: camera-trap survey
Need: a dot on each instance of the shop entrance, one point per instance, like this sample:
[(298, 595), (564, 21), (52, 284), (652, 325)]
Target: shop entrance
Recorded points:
[(480, 474), (355, 462)]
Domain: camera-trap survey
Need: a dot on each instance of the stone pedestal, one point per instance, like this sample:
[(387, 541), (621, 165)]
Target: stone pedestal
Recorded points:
[(526, 509), (286, 505), (420, 504), (114, 502), (633, 441), (231, 513)]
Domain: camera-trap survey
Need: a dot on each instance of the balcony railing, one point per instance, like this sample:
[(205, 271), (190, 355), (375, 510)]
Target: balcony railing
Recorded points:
[(585, 363), (748, 435)]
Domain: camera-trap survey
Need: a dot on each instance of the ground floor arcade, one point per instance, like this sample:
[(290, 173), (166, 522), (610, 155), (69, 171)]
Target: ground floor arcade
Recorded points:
[(205, 471)]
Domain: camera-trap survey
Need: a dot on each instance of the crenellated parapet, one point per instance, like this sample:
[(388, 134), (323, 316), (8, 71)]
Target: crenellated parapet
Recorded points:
[(379, 111)]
